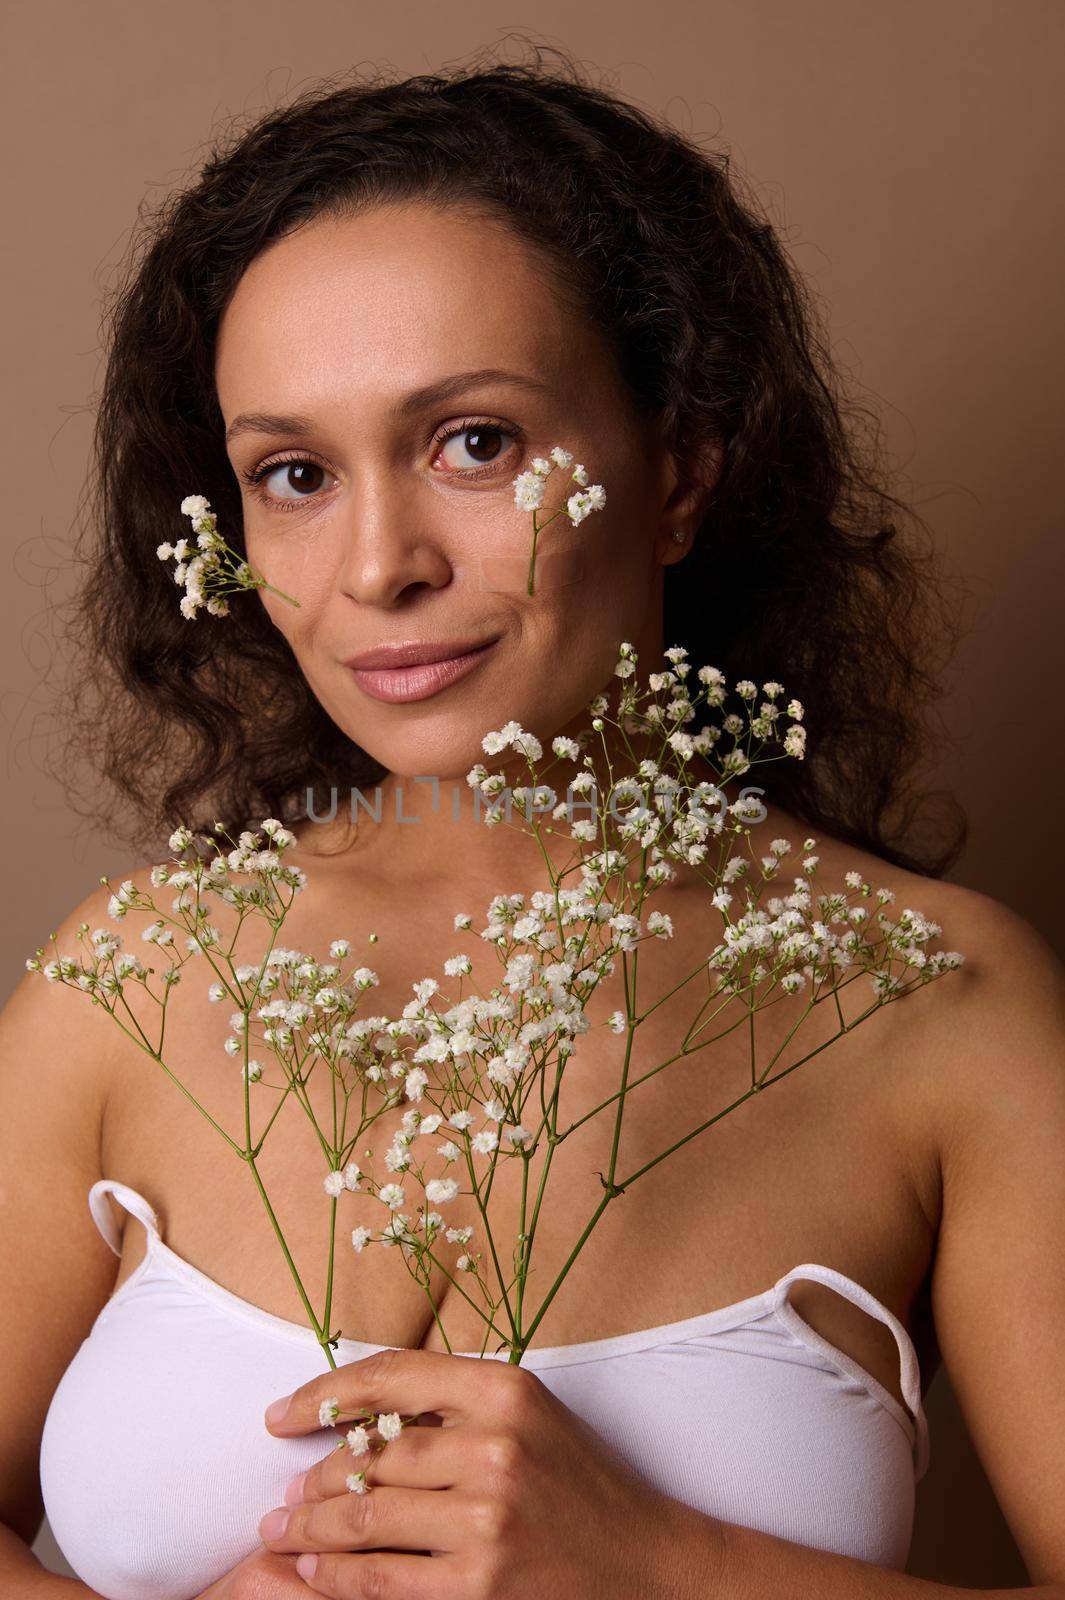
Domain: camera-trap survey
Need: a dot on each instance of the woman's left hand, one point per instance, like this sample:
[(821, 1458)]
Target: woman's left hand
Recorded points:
[(514, 1496)]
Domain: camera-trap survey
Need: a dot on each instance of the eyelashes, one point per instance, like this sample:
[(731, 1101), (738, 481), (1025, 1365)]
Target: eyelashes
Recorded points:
[(255, 478)]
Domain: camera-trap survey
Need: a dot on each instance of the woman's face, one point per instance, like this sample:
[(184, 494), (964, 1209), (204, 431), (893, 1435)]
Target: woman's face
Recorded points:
[(388, 531)]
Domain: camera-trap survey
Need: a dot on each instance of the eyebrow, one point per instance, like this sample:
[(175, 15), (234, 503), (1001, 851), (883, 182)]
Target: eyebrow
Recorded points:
[(416, 400)]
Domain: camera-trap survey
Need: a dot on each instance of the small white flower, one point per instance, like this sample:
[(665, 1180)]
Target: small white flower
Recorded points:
[(328, 1412), (360, 1237), (358, 1440), (440, 1190), (415, 1083), (391, 1194), (333, 1183), (584, 502), (356, 1482), (389, 1425), (529, 491)]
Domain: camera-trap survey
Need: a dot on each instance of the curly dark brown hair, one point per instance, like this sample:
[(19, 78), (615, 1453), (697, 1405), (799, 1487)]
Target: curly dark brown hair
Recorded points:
[(805, 569)]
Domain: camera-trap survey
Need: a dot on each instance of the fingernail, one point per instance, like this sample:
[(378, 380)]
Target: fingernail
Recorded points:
[(294, 1492), (277, 1408), (307, 1566), (273, 1525)]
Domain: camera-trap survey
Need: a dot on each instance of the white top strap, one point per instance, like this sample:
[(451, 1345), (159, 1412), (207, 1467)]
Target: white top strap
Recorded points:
[(130, 1200), (910, 1370)]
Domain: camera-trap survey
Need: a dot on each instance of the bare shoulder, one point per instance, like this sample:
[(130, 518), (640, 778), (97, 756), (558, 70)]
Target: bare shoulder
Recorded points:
[(52, 1009), (991, 1033), (982, 1041), (999, 1036), (49, 1004)]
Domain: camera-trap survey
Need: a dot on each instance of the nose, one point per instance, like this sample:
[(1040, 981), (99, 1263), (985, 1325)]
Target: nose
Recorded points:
[(388, 552)]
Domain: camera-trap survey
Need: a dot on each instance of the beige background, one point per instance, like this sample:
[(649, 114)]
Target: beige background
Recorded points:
[(910, 152)]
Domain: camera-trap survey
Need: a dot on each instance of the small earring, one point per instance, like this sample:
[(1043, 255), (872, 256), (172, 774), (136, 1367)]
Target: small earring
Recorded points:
[(679, 535)]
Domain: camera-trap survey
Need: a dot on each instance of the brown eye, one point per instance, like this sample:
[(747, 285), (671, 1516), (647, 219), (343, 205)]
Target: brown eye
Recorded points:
[(302, 478), (482, 443), (464, 449)]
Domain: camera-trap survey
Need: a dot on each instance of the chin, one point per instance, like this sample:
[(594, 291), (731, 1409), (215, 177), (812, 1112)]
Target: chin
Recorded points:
[(447, 753)]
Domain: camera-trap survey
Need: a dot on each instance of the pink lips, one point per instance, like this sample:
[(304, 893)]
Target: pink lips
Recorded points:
[(415, 671)]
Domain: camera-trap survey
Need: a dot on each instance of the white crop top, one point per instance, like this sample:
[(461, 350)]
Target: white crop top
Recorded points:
[(156, 1465)]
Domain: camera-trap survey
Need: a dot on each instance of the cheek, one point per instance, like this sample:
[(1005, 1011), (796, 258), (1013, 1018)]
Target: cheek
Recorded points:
[(553, 570), (300, 566)]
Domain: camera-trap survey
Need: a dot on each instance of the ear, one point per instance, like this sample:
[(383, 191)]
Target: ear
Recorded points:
[(688, 488)]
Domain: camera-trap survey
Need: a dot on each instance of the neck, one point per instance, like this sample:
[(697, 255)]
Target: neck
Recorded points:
[(429, 831)]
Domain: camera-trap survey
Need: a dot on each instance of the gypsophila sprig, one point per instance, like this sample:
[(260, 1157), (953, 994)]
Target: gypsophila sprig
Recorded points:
[(531, 486), (472, 1074), (210, 569)]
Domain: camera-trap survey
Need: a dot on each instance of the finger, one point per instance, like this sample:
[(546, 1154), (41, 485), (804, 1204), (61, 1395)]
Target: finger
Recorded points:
[(407, 1381), (386, 1519), (421, 1458), (385, 1576)]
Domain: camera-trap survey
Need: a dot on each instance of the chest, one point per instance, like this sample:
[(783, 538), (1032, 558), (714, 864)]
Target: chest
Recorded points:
[(809, 1168)]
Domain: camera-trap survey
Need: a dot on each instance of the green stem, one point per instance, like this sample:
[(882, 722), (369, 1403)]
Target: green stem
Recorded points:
[(328, 1313), (322, 1337), (574, 1253), (279, 592), (532, 557)]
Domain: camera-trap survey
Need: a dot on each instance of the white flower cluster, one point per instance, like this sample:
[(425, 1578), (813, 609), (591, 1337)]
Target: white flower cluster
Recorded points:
[(790, 941), (661, 808), (529, 487), (209, 569), (206, 571)]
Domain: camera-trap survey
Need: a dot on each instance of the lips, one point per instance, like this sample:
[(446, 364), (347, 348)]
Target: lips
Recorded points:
[(415, 653), (416, 670)]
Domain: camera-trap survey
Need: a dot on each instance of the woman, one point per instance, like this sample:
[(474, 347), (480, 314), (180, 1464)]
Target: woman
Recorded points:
[(368, 314)]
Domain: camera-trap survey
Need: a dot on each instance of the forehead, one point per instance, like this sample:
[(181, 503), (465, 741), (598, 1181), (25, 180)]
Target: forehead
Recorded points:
[(377, 303)]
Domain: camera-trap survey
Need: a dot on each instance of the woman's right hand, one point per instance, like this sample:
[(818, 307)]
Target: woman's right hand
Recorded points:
[(264, 1575)]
